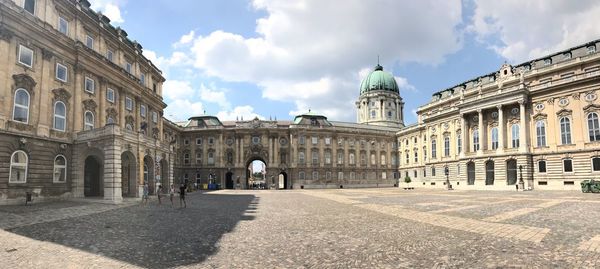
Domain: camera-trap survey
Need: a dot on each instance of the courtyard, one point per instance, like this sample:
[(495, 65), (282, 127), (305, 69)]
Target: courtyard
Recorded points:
[(349, 228)]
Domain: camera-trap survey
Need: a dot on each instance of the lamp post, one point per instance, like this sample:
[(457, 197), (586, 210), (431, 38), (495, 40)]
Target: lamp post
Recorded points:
[(521, 182), (447, 173)]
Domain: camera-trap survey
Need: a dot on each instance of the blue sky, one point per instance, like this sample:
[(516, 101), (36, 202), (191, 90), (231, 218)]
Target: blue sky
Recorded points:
[(279, 58)]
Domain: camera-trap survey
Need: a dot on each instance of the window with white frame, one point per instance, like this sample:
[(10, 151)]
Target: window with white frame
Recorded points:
[(542, 166), (373, 114), (596, 164), (494, 138), (315, 157), (18, 167), (21, 106), (60, 169), (89, 85), (591, 49), (89, 41), (199, 158), (540, 132), (515, 135), (314, 140), (327, 140), (63, 25), (547, 61), (475, 140), (211, 157), (109, 55), (143, 79), (88, 121), (110, 95), (128, 103), (383, 160), (60, 116), (327, 157), (301, 157), (128, 67), (351, 158), (565, 130), (340, 157), (567, 165), (154, 117), (301, 140), (61, 72), (593, 126), (459, 143), (29, 6), (186, 158), (143, 111), (373, 159), (446, 146), (25, 56), (433, 148)]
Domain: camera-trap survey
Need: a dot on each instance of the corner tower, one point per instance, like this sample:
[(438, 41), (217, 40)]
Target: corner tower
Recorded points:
[(379, 102)]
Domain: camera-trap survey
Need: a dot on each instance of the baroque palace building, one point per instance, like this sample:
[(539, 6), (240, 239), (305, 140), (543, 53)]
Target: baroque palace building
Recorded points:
[(81, 116)]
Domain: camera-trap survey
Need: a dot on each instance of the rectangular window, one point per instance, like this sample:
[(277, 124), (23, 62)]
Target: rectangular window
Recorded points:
[(186, 142), (154, 117), (314, 140), (89, 42), (154, 87), (61, 72), (315, 175), (327, 175), (143, 79), (211, 140), (459, 143), (327, 140), (25, 56), (591, 49), (110, 95), (89, 85), (568, 165), (596, 164), (128, 104), (446, 146), (340, 175), (542, 166), (109, 55), (128, 67), (29, 6), (301, 175), (198, 158), (301, 140), (340, 158), (63, 25), (143, 111), (198, 141)]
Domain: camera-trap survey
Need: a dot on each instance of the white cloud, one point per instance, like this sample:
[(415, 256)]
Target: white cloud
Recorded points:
[(404, 85), (213, 95), (176, 89), (309, 52), (182, 109), (533, 28), (110, 9), (185, 39), (246, 112)]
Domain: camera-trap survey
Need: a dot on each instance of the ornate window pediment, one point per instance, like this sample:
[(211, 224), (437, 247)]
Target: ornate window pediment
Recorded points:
[(540, 116), (61, 94), (591, 107), (90, 105), (24, 81), (564, 112)]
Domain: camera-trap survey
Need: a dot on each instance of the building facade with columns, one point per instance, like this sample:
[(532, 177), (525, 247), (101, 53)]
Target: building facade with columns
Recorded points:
[(80, 106), (535, 123)]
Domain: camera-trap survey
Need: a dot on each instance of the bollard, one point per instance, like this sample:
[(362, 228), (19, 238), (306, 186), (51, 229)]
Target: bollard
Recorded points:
[(28, 197)]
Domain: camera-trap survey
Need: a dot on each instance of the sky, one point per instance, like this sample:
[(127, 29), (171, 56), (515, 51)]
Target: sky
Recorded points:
[(275, 59)]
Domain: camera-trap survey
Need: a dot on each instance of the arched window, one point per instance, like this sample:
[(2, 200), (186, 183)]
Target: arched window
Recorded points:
[(327, 157), (593, 126), (60, 169), (301, 157), (433, 148), (60, 116), (382, 159), (301, 175), (88, 123), (211, 157), (351, 158), (416, 156), (459, 143), (315, 175), (475, 140), (565, 130), (540, 131), (446, 146), (495, 138), (21, 106), (18, 167), (315, 157), (373, 159), (514, 130)]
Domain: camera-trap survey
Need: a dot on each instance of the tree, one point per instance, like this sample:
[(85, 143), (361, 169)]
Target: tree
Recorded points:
[(407, 180)]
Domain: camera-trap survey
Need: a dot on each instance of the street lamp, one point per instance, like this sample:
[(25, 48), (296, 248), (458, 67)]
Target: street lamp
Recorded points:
[(447, 173), (521, 182)]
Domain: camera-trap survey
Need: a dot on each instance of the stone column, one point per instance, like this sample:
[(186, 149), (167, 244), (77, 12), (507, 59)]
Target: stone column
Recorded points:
[(383, 107), (463, 135), (112, 172), (481, 131), (501, 129), (522, 127)]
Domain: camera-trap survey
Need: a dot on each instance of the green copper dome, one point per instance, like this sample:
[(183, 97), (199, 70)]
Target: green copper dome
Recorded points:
[(379, 80)]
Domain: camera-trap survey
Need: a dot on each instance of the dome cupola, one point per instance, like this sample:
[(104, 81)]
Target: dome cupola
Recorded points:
[(379, 80)]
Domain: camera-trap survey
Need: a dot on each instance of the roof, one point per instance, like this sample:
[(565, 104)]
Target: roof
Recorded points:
[(379, 80)]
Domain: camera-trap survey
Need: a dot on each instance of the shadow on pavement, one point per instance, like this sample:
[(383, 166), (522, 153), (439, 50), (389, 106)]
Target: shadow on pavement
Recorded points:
[(152, 236)]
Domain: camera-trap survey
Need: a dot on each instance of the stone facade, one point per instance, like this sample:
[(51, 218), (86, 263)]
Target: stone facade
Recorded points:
[(537, 120), (80, 106)]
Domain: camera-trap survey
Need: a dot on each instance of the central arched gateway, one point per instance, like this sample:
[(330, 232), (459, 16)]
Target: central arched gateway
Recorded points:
[(256, 176), (283, 180)]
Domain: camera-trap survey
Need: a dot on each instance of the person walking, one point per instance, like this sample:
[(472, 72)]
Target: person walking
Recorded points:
[(182, 195), (145, 194), (171, 194), (159, 193)]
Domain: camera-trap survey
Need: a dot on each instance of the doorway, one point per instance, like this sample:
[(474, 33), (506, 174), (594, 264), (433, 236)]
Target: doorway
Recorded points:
[(283, 181), (92, 180), (229, 181)]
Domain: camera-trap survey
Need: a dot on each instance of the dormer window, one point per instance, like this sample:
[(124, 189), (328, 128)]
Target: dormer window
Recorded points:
[(527, 67), (591, 49), (547, 62), (567, 56)]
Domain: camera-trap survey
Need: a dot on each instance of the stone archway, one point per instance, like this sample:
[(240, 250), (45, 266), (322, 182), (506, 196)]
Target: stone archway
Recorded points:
[(93, 185), (128, 174), (149, 173), (283, 180), (249, 172), (471, 173), (229, 184)]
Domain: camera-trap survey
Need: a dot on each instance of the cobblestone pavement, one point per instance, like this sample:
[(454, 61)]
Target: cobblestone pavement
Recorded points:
[(350, 228)]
